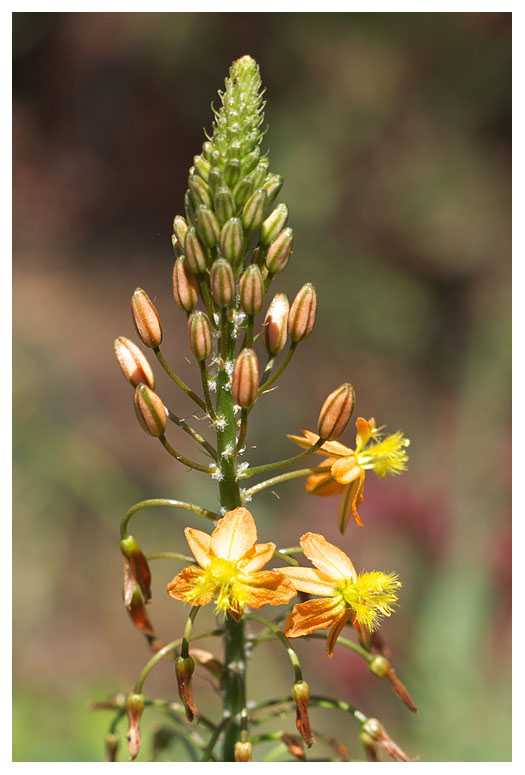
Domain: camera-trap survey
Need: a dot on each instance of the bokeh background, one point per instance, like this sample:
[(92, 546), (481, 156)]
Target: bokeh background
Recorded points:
[(393, 134)]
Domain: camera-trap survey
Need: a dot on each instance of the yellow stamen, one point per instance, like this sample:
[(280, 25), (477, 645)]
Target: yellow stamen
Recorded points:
[(371, 596), (387, 456)]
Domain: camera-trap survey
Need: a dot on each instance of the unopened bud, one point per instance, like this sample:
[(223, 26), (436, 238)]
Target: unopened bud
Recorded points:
[(250, 161), (232, 172), (276, 324), (381, 667), (207, 150), (185, 286), (133, 363), (222, 282), (189, 209), (224, 204), (146, 319), (180, 227), (301, 319), (301, 695), (134, 709), (251, 290), (376, 731), (200, 335), (253, 210), (136, 570), (196, 255), (202, 167), (112, 743), (242, 191), (150, 411), (232, 240), (200, 191), (184, 668), (336, 412), (137, 612), (280, 251), (215, 179), (259, 173), (178, 249), (272, 185), (207, 226), (243, 751), (274, 224), (245, 380)]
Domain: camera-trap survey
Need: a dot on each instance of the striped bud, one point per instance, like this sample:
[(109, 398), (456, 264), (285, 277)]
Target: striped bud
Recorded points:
[(200, 191), (202, 167), (177, 247), (200, 335), (259, 174), (249, 141), (185, 286), (274, 224), (251, 290), (207, 150), (146, 319), (242, 191), (134, 708), (215, 179), (196, 255), (232, 172), (224, 204), (232, 240), (245, 381), (272, 185), (301, 319), (234, 147), (276, 324), (189, 209), (336, 412), (222, 281), (207, 226), (250, 161), (150, 411), (253, 210), (180, 227), (243, 751), (133, 363), (279, 252)]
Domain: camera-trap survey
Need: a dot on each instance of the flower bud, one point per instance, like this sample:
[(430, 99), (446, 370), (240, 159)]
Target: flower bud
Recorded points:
[(112, 741), (336, 412), (250, 161), (150, 411), (207, 150), (136, 570), (202, 167), (253, 210), (232, 240), (232, 172), (180, 227), (200, 191), (234, 147), (301, 319), (274, 224), (195, 252), (248, 142), (133, 363), (222, 282), (177, 247), (376, 731), (215, 179), (259, 174), (279, 252), (381, 667), (243, 751), (251, 290), (275, 324), (185, 287), (245, 380), (146, 319), (184, 667), (137, 612), (200, 335), (207, 226), (189, 209), (272, 185), (134, 709), (224, 204), (301, 695), (242, 191)]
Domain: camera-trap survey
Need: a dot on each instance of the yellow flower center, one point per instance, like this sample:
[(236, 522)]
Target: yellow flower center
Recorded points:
[(387, 456), (222, 575), (371, 596)]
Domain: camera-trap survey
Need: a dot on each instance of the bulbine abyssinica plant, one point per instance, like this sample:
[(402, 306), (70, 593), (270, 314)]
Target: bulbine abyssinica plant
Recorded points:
[(230, 246)]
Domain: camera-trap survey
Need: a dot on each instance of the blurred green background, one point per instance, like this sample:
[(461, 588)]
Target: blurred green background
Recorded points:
[(393, 134)]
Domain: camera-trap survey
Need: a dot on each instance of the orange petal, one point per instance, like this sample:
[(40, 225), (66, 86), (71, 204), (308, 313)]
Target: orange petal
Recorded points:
[(333, 448), (309, 580), (327, 557), (234, 535), (185, 587), (364, 431), (313, 615), (335, 632), (346, 470), (352, 498), (257, 557), (199, 543), (265, 588)]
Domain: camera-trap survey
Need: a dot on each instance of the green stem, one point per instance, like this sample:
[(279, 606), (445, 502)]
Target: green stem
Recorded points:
[(282, 463), (345, 642), (193, 433), (164, 502), (316, 700), (247, 494), (170, 556), (243, 431), (294, 659), (186, 637), (213, 739), (184, 460), (269, 382), (169, 371)]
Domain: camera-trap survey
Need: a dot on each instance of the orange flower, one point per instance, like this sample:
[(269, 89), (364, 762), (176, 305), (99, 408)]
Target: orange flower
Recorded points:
[(230, 568), (348, 466), (344, 593)]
